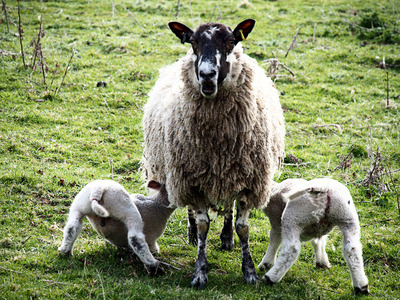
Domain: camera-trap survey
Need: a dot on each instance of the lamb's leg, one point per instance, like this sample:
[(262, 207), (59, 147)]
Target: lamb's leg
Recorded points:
[(199, 278), (288, 255), (352, 252), (274, 242), (226, 236), (242, 230), (137, 241), (192, 227), (71, 231), (321, 258)]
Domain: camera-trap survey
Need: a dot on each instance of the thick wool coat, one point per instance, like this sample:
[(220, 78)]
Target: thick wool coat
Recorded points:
[(210, 151)]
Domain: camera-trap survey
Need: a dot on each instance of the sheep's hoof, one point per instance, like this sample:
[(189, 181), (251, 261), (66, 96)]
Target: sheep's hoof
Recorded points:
[(155, 270), (199, 280), (322, 266), (267, 280), (192, 235), (251, 277), (227, 245), (362, 291)]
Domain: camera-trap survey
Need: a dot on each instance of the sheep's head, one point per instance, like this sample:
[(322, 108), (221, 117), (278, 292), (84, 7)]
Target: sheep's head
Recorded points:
[(212, 44)]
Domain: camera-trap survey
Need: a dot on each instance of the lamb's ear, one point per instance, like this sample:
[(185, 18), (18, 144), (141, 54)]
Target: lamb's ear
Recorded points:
[(181, 31), (155, 185), (243, 29)]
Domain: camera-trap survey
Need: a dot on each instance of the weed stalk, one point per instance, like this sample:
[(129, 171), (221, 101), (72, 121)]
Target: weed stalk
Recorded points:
[(21, 31)]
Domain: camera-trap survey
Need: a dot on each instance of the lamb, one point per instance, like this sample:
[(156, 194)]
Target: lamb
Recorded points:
[(127, 221), (214, 133), (301, 210)]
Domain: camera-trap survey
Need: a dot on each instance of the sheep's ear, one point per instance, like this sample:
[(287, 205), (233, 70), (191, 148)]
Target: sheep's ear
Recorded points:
[(181, 31), (155, 185), (243, 29)]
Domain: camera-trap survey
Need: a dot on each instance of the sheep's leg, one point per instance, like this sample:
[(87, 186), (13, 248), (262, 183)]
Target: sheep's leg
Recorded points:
[(274, 242), (288, 255), (137, 241), (321, 258), (199, 278), (192, 227), (71, 232), (352, 252), (226, 236), (242, 230)]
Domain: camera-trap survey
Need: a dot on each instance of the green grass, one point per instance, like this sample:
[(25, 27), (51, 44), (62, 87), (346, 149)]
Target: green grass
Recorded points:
[(52, 145)]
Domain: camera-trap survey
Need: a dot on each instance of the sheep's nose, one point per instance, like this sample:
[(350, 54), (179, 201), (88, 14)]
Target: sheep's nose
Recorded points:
[(208, 75)]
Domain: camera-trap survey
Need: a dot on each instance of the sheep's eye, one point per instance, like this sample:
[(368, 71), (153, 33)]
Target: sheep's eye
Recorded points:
[(230, 45), (194, 46)]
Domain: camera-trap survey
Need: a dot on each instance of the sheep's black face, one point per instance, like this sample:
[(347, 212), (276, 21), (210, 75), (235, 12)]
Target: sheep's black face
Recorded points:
[(212, 44)]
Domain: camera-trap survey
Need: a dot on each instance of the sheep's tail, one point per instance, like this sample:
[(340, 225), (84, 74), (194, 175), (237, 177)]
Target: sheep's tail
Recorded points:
[(99, 210)]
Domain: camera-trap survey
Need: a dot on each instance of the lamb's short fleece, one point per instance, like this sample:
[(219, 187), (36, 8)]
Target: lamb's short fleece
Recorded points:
[(127, 221), (301, 210)]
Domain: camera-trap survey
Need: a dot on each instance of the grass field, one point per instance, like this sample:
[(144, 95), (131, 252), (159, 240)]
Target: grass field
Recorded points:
[(59, 131)]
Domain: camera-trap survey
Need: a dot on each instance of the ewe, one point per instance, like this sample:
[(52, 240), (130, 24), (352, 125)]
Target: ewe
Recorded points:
[(214, 133), (301, 210), (127, 221)]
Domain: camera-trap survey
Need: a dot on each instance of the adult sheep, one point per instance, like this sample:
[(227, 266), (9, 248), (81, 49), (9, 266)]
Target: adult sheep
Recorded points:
[(214, 132)]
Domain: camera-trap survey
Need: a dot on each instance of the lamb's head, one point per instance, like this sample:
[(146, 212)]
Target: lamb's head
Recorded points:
[(212, 45)]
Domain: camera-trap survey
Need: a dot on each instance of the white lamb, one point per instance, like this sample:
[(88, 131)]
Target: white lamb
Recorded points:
[(301, 210), (214, 133), (127, 221)]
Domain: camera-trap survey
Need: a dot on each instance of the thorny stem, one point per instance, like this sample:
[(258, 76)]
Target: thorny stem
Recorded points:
[(20, 31)]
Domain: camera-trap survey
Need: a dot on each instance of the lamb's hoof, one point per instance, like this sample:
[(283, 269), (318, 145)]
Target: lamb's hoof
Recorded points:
[(64, 252), (362, 291), (267, 280), (155, 270), (199, 280), (322, 266)]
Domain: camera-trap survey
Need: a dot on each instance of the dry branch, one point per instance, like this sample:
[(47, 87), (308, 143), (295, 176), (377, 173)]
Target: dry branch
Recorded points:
[(65, 73), (293, 41), (20, 33), (4, 8)]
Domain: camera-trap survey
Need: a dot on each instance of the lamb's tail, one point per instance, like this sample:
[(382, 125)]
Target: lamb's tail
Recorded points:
[(99, 210)]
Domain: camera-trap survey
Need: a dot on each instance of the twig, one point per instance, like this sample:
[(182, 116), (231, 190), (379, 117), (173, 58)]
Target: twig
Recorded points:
[(101, 284), (326, 289), (112, 169), (5, 53), (4, 7), (377, 222), (212, 15), (296, 164), (293, 41), (355, 25), (136, 21), (170, 266), (13, 271), (315, 29), (177, 9), (20, 31), (55, 282), (54, 74), (113, 9), (25, 240), (65, 73), (330, 125), (183, 239), (394, 187)]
